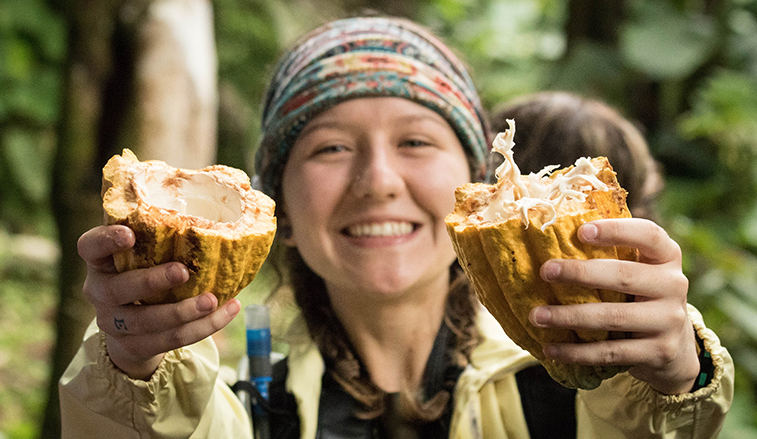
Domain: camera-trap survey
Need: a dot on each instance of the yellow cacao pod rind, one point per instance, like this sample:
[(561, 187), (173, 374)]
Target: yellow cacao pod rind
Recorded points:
[(502, 260), (221, 260)]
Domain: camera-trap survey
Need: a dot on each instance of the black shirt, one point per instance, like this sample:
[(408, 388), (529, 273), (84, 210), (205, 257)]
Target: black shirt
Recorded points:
[(549, 408)]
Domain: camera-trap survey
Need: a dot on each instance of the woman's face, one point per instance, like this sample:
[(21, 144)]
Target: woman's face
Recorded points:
[(366, 188)]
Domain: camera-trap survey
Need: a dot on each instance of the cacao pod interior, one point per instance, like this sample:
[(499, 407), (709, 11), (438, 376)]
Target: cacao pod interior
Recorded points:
[(197, 195)]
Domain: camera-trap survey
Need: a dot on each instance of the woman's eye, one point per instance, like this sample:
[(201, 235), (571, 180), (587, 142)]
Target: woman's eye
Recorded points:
[(415, 143), (330, 149)]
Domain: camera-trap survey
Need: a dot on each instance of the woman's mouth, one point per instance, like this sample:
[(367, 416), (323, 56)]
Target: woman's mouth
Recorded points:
[(383, 229)]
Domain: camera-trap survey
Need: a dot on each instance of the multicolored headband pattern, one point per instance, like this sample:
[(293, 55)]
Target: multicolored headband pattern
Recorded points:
[(367, 57)]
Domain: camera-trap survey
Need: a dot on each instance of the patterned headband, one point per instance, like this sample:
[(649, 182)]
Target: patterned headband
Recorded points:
[(367, 57)]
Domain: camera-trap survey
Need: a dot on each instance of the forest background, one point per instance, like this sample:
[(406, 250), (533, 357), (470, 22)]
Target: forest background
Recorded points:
[(684, 70)]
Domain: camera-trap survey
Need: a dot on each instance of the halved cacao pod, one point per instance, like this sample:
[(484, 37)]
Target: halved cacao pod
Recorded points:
[(211, 220), (502, 260)]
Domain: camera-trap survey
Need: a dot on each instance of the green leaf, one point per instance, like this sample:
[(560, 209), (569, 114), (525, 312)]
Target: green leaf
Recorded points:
[(666, 44), (24, 153), (741, 313), (18, 58), (593, 70), (35, 97), (38, 23), (724, 111)]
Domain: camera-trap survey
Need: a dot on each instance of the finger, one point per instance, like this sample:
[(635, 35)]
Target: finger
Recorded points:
[(654, 244), (148, 345), (131, 286), (628, 277), (148, 319), (621, 317), (652, 353), (97, 246)]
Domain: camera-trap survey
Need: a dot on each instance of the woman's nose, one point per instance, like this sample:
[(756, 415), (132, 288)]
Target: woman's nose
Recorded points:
[(377, 175)]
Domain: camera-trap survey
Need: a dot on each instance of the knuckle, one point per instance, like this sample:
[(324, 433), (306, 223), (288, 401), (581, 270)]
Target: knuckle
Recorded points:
[(667, 351), (103, 324), (679, 317), (681, 283), (217, 322), (676, 250), (670, 250), (565, 319), (132, 346), (152, 281), (180, 313), (134, 324), (574, 270), (563, 353), (615, 318), (566, 316), (657, 235), (148, 281), (80, 244), (614, 228), (99, 291), (109, 293), (88, 290), (178, 338), (609, 355), (624, 274)]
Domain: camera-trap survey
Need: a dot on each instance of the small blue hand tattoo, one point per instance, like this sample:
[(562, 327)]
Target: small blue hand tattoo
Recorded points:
[(120, 324)]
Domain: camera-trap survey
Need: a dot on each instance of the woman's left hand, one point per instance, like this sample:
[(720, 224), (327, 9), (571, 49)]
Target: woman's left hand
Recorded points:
[(662, 348)]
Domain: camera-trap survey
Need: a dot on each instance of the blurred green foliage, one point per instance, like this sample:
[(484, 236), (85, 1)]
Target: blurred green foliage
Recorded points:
[(686, 70), (32, 50)]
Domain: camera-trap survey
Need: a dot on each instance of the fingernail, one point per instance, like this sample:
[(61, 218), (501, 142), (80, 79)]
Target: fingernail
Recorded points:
[(121, 238), (176, 273), (551, 270), (233, 307), (541, 316), (204, 303), (589, 232)]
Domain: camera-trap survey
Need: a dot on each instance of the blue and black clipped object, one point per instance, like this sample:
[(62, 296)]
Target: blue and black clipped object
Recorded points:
[(258, 324)]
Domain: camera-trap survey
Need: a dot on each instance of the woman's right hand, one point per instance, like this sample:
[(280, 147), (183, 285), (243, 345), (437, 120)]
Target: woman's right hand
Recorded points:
[(138, 336)]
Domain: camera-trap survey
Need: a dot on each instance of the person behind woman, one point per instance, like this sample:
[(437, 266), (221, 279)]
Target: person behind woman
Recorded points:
[(370, 124), (556, 127)]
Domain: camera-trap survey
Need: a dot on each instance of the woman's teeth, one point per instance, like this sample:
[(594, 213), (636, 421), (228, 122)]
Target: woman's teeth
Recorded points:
[(381, 229)]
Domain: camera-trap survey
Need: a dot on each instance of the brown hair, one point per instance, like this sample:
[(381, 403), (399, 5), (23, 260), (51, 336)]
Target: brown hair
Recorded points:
[(339, 355), (556, 128)]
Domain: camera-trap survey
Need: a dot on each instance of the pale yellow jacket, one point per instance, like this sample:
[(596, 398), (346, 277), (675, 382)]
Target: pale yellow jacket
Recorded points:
[(186, 399)]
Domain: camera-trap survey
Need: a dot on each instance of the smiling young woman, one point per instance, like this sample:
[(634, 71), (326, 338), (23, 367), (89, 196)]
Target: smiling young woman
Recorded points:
[(369, 125), (364, 193)]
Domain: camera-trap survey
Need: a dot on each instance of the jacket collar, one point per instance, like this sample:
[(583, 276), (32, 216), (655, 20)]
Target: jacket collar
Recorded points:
[(495, 355)]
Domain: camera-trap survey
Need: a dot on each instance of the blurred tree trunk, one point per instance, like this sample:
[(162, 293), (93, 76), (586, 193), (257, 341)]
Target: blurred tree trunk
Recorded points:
[(140, 74), (74, 192), (599, 22), (594, 20)]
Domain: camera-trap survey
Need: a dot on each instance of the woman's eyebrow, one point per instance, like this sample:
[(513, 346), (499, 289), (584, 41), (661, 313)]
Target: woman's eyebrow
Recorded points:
[(424, 117), (319, 124), (400, 118)]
